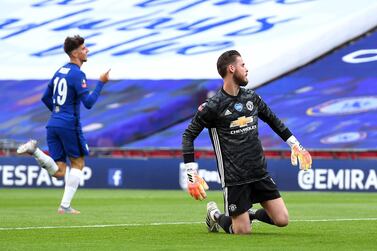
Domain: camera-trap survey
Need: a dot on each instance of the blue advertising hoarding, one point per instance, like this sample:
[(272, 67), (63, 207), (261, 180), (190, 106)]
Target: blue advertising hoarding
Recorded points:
[(164, 173)]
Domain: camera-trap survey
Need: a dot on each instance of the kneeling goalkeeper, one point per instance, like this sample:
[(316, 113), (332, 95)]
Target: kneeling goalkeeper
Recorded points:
[(231, 117)]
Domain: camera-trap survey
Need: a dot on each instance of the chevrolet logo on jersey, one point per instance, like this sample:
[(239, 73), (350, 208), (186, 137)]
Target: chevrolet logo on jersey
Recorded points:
[(241, 122)]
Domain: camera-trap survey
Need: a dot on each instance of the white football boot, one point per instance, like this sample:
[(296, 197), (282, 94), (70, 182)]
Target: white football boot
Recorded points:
[(29, 147), (210, 219)]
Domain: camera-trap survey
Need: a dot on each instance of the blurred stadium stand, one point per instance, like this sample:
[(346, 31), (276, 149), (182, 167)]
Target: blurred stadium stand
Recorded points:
[(128, 110), (330, 104), (313, 62)]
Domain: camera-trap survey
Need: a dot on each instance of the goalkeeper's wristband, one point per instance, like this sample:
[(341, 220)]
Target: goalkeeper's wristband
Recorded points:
[(191, 170), (191, 166), (291, 141)]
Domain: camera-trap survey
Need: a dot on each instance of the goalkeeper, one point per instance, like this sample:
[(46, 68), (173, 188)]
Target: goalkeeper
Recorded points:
[(231, 117)]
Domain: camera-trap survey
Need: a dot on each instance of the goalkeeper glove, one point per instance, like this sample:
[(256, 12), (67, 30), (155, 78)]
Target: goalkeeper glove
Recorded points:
[(196, 185), (298, 152)]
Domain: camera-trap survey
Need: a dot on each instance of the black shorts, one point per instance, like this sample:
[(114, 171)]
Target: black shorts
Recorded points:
[(239, 199)]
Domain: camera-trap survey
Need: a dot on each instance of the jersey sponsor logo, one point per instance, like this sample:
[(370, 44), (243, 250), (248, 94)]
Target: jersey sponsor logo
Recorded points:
[(64, 70), (84, 85), (249, 105), (243, 130), (238, 106), (241, 121)]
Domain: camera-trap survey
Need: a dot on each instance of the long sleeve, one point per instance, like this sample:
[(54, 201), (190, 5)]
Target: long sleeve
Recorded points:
[(89, 100), (190, 134), (204, 118), (47, 97)]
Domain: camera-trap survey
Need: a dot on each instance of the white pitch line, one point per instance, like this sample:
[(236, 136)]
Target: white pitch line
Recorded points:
[(162, 224), (101, 226)]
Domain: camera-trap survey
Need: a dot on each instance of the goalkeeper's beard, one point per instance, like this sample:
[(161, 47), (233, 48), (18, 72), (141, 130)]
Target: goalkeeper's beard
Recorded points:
[(240, 81)]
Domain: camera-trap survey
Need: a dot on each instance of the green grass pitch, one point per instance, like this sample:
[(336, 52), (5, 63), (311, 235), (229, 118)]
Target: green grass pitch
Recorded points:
[(171, 220)]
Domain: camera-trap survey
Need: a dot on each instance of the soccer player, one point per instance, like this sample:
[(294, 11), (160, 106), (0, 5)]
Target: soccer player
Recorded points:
[(231, 117), (63, 95)]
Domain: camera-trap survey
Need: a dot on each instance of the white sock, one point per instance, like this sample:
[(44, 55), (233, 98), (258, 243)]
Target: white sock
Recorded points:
[(45, 161), (71, 186)]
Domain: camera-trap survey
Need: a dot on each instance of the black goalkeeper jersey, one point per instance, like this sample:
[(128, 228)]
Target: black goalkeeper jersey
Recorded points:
[(232, 122)]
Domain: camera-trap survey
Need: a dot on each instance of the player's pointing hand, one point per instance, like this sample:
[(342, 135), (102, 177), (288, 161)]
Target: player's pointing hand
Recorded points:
[(105, 76)]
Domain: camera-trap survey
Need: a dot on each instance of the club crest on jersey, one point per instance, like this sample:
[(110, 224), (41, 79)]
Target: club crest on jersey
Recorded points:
[(238, 106), (249, 105), (83, 85), (201, 107)]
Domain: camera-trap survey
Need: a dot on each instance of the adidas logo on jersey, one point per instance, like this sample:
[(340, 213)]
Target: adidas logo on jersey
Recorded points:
[(227, 112)]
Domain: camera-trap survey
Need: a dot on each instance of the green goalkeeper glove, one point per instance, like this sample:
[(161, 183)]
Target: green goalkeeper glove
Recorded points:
[(299, 153), (196, 185)]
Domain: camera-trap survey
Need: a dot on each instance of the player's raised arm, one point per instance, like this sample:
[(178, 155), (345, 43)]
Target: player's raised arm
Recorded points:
[(89, 100)]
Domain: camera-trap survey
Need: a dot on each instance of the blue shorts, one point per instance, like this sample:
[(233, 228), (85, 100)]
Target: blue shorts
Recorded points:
[(63, 143)]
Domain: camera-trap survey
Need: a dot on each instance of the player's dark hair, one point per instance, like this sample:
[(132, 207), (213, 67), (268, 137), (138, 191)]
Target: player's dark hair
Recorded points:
[(72, 43), (227, 58)]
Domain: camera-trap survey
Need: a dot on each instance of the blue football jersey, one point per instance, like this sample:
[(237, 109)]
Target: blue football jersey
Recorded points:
[(64, 91)]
